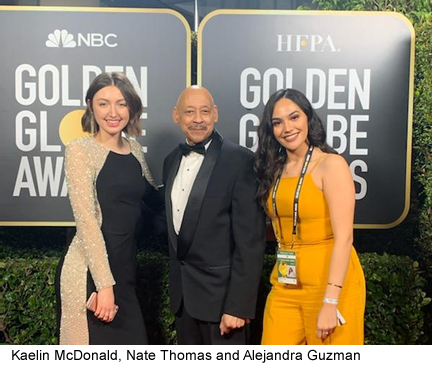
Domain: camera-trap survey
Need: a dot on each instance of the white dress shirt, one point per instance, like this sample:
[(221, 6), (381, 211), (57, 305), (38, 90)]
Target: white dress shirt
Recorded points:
[(183, 183)]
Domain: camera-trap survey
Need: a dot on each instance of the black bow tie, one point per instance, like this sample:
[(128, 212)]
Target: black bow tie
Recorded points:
[(197, 148)]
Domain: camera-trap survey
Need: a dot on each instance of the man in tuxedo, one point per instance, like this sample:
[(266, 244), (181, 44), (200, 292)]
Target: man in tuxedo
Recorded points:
[(216, 229)]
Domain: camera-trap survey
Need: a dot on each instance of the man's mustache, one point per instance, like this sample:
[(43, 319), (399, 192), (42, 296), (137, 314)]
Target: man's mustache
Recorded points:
[(198, 127)]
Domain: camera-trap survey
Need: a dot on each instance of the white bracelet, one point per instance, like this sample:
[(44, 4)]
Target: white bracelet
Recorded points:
[(331, 301)]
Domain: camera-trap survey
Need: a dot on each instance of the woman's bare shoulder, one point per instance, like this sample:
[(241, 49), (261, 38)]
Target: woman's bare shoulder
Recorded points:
[(333, 162)]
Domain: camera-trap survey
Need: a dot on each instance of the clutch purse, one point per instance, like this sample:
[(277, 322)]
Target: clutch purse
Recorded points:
[(92, 302), (340, 318)]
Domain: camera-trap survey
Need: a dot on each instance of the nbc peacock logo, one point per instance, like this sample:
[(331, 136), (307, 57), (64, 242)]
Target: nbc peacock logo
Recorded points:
[(60, 38), (64, 39)]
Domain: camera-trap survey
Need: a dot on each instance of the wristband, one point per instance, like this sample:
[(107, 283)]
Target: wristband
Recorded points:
[(331, 301), (338, 286)]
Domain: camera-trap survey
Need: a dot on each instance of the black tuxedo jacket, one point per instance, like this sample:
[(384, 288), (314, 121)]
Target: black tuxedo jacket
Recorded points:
[(216, 259)]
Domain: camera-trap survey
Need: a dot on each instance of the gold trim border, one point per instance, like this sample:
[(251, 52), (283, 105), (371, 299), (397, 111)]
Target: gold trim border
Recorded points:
[(98, 10), (215, 13)]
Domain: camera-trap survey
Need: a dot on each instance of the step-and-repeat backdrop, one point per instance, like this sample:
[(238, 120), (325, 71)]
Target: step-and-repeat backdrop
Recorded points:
[(355, 67), (49, 57)]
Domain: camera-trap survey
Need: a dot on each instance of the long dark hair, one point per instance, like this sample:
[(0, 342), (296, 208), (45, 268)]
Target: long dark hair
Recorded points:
[(271, 157)]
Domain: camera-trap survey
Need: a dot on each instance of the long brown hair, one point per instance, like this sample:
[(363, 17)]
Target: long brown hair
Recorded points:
[(271, 157)]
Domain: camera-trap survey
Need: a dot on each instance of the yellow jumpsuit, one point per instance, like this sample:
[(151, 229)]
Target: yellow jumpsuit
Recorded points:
[(291, 311)]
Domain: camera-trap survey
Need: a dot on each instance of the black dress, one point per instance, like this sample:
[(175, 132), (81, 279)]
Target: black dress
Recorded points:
[(120, 188), (106, 191)]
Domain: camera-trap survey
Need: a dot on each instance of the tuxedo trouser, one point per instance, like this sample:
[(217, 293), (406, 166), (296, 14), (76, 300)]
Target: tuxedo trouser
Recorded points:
[(191, 331)]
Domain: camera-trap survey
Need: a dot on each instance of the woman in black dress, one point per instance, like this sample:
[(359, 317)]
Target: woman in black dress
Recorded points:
[(107, 178)]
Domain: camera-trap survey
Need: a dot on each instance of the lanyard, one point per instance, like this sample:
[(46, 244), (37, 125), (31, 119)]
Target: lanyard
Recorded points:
[(297, 191)]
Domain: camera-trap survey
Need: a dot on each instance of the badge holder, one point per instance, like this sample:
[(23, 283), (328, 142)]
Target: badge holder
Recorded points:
[(287, 267), (286, 262)]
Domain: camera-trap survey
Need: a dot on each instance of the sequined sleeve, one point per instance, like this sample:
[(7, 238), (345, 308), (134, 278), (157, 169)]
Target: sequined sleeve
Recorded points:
[(80, 177), (139, 154)]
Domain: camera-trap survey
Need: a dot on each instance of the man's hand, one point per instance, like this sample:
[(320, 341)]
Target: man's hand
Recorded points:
[(229, 323)]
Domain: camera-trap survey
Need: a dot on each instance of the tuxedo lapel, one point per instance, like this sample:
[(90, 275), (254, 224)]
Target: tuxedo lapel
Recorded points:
[(168, 189), (193, 207)]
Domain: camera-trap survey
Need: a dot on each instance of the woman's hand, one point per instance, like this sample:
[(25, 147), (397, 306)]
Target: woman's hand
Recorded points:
[(327, 321), (106, 309)]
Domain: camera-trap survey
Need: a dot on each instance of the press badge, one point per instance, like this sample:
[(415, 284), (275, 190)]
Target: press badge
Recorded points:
[(287, 267)]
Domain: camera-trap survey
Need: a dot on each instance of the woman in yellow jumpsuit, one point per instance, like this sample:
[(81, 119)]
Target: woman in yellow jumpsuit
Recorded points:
[(318, 287)]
